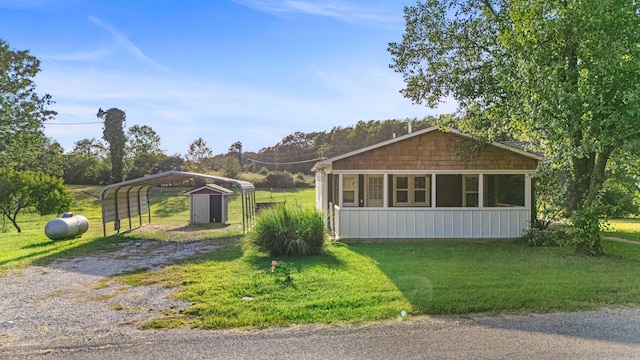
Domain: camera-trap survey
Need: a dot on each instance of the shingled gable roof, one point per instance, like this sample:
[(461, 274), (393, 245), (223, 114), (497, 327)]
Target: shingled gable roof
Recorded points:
[(516, 149), (213, 187)]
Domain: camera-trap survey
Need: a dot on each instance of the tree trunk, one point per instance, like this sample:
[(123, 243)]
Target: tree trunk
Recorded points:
[(581, 180), (598, 174), (15, 224)]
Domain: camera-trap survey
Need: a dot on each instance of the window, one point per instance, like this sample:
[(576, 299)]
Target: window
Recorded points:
[(448, 190), (412, 190), (402, 190), (470, 190), (453, 190), (504, 190), (349, 190), (420, 189)]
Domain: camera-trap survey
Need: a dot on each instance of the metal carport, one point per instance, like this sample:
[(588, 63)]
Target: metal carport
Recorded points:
[(130, 199)]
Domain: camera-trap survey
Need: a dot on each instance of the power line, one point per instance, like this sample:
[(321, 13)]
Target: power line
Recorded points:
[(78, 123), (287, 163)]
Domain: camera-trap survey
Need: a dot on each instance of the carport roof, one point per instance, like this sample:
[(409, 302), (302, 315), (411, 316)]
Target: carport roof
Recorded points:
[(171, 177), (130, 198)]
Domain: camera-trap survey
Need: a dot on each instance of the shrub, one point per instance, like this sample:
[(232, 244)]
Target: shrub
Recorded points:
[(541, 234), (588, 223), (300, 182), (287, 230), (279, 180)]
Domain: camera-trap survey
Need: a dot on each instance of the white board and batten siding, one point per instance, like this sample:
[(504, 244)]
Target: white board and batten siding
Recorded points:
[(398, 223)]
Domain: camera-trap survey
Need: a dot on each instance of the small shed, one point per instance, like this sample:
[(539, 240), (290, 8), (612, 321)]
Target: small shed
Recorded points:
[(209, 204)]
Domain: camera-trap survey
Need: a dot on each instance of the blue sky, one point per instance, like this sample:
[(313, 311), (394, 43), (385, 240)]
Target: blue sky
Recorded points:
[(225, 70)]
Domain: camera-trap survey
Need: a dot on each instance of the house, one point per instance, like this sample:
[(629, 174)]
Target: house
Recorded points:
[(425, 185), (209, 204)]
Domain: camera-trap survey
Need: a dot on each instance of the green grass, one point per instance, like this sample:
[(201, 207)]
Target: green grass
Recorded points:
[(358, 283), (32, 245), (628, 229), (461, 278), (233, 290), (370, 282)]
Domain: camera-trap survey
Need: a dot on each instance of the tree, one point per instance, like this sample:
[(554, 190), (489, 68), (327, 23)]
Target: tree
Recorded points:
[(231, 167), (559, 74), (50, 158), (199, 153), (174, 162), (143, 151), (236, 148), (31, 189), (87, 163), (113, 134), (143, 140), (22, 111)]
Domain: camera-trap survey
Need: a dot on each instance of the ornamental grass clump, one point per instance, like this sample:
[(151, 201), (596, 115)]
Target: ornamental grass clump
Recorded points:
[(287, 230)]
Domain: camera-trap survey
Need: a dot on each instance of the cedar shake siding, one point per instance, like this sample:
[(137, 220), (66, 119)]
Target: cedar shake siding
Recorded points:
[(434, 151)]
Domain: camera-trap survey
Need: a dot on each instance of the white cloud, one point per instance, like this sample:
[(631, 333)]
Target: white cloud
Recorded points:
[(128, 46), (86, 56), (341, 10)]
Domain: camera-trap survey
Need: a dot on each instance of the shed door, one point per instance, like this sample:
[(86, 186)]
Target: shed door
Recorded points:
[(200, 209), (216, 208)]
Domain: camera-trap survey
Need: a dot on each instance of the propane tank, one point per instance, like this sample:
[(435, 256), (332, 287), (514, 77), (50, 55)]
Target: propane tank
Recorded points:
[(67, 226)]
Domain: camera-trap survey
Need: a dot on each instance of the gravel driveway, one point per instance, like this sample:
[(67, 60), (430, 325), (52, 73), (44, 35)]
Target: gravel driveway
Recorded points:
[(75, 298)]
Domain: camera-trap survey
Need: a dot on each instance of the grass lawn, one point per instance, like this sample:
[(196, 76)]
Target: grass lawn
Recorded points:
[(628, 229), (379, 281), (229, 288)]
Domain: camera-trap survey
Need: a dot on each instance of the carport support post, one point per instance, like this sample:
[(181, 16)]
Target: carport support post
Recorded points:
[(129, 206), (104, 225), (139, 206), (117, 220), (244, 199)]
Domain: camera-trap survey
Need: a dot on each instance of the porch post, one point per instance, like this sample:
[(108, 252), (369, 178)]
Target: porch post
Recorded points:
[(340, 182), (433, 190), (528, 199), (385, 190), (480, 191), (527, 191)]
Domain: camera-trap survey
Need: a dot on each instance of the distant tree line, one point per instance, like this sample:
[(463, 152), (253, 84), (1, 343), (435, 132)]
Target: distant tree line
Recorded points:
[(298, 152)]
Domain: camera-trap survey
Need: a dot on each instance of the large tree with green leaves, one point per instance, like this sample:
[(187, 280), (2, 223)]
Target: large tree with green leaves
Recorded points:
[(32, 190), (143, 140), (560, 74), (29, 161), (88, 163), (143, 151), (23, 144)]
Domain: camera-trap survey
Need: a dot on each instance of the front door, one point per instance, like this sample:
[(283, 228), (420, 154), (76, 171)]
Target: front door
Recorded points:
[(374, 190)]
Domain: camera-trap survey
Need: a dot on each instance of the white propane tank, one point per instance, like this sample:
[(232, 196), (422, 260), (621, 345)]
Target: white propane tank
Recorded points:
[(67, 226)]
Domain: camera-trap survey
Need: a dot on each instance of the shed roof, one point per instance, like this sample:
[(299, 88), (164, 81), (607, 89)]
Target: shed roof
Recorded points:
[(213, 187)]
